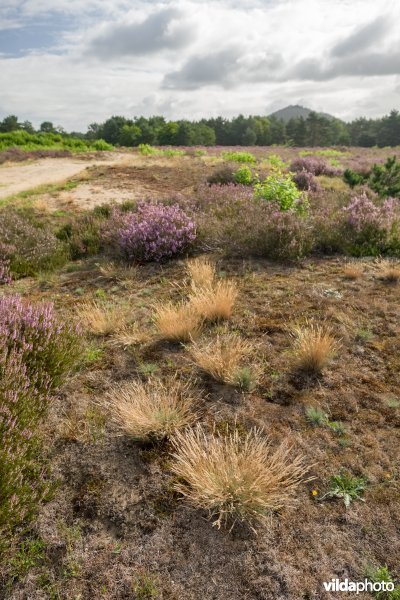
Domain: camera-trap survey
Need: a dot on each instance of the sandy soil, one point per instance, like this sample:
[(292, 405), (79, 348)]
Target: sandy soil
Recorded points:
[(22, 177)]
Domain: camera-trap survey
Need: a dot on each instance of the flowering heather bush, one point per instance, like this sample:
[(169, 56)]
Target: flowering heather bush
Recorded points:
[(306, 181), (153, 232), (28, 248), (314, 165), (230, 218), (48, 348), (22, 483), (371, 229), (35, 352)]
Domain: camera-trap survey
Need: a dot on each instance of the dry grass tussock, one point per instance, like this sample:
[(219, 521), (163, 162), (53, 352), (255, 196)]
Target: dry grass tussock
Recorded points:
[(102, 319), (118, 271), (215, 302), (222, 357), (177, 322), (315, 345), (352, 271), (390, 272), (152, 410), (234, 477), (201, 273)]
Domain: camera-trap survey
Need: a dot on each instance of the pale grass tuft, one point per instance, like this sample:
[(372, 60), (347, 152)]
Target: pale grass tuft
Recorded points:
[(352, 271), (314, 347), (118, 271), (152, 410), (177, 322), (130, 336), (215, 303), (222, 357), (102, 319), (235, 477), (390, 272), (201, 272)]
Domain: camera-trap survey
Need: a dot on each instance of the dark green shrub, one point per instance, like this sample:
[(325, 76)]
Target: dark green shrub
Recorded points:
[(385, 179), (352, 178)]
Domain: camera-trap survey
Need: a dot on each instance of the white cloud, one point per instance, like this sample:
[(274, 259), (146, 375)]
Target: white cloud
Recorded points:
[(194, 58)]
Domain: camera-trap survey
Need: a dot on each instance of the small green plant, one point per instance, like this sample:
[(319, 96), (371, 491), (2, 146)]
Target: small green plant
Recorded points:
[(280, 188), (346, 487), (315, 416), (337, 427), (145, 586), (239, 157), (276, 162), (245, 379), (147, 150), (364, 335), (170, 152), (243, 176), (29, 555), (382, 575)]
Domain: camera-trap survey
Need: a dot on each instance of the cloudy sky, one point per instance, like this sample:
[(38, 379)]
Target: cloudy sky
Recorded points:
[(78, 61)]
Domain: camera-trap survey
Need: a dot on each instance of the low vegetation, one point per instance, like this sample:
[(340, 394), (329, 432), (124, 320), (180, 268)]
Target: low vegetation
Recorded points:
[(233, 477), (148, 345), (152, 410)]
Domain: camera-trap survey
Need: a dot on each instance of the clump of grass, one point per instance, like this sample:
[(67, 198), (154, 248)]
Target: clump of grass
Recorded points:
[(314, 347), (102, 319), (390, 272), (315, 416), (222, 357), (177, 322), (215, 302), (201, 272), (118, 272), (235, 477), (352, 272), (152, 410), (346, 487)]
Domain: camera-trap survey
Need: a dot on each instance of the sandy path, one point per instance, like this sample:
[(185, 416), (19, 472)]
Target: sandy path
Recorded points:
[(22, 177)]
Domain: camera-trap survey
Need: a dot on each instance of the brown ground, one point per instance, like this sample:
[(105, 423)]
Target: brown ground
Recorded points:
[(114, 520)]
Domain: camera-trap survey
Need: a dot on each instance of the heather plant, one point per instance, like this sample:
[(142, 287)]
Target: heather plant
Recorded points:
[(5, 275), (370, 228), (49, 349), (82, 235), (316, 166), (280, 189), (222, 176), (27, 246), (230, 218), (154, 232), (22, 481), (305, 181)]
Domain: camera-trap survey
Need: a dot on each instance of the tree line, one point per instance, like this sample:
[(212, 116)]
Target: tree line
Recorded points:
[(315, 130)]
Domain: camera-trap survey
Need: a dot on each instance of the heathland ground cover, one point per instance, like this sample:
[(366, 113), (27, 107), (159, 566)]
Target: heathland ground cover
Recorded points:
[(199, 378)]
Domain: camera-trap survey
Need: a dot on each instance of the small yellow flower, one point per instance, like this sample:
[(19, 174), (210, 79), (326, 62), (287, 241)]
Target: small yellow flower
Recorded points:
[(388, 475), (314, 492)]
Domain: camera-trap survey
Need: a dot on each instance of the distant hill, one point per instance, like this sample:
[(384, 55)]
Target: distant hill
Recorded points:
[(296, 111)]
